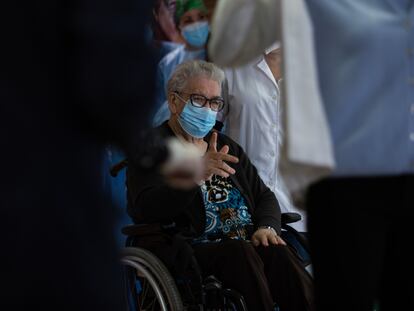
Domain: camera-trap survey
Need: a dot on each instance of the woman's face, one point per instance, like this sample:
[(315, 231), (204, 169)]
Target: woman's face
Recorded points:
[(191, 17)]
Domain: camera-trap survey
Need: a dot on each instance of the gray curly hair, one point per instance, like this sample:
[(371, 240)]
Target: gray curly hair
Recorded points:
[(192, 69)]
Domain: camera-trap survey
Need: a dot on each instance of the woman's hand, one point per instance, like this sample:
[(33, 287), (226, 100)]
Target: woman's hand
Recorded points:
[(266, 237), (214, 161)]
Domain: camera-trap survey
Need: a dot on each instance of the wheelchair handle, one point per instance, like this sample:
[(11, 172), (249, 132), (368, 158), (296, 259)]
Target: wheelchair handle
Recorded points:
[(288, 218)]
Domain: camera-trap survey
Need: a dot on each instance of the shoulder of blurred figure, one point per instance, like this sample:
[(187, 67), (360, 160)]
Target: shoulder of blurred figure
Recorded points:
[(171, 56)]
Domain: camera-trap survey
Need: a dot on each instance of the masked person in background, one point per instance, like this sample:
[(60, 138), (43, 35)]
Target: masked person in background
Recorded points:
[(192, 23)]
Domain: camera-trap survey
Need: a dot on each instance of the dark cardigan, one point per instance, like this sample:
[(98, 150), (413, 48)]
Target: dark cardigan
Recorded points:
[(150, 200)]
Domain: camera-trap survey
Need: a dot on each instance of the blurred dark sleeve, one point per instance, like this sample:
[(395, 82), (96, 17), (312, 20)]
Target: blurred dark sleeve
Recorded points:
[(110, 68), (74, 76), (150, 199)]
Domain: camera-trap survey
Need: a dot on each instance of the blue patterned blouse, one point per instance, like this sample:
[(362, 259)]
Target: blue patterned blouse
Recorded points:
[(226, 211)]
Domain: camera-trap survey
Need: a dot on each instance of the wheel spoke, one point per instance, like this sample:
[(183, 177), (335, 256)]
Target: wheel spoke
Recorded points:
[(158, 291)]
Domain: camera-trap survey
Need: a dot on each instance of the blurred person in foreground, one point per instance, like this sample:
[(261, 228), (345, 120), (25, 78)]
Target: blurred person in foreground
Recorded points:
[(232, 217), (192, 22), (357, 231), (163, 37), (74, 77)]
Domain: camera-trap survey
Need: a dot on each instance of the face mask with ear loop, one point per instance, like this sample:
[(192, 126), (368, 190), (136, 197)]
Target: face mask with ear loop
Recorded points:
[(196, 121)]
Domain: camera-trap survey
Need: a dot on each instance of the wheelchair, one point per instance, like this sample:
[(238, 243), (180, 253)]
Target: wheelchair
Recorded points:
[(149, 285)]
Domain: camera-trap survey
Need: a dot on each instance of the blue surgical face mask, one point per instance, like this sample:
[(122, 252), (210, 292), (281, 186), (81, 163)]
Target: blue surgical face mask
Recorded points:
[(197, 122), (196, 34)]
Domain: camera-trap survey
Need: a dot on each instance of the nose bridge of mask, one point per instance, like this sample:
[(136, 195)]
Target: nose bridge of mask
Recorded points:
[(201, 113), (205, 114)]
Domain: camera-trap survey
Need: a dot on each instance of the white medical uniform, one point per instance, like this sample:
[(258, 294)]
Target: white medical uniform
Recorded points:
[(253, 120)]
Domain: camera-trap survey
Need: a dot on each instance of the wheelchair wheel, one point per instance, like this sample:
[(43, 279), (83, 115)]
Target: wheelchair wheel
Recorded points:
[(157, 289)]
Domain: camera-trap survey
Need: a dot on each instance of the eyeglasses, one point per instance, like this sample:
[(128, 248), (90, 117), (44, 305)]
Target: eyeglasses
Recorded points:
[(199, 101)]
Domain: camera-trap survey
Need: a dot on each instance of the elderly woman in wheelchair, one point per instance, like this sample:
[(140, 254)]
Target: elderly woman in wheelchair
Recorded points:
[(230, 218)]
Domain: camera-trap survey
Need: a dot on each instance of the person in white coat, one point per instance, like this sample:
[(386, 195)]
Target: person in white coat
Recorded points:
[(358, 225), (253, 119)]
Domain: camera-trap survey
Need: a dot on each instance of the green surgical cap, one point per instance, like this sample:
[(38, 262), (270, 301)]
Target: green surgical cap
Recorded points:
[(183, 6)]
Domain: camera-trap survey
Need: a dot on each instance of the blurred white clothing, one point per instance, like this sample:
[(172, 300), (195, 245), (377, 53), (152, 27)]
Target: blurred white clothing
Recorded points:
[(241, 30), (253, 119)]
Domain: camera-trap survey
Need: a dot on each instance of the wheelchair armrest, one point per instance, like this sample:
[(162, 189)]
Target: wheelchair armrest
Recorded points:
[(288, 218), (116, 168)]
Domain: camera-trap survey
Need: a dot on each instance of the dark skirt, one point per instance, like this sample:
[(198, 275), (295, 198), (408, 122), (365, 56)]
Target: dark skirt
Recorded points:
[(263, 275)]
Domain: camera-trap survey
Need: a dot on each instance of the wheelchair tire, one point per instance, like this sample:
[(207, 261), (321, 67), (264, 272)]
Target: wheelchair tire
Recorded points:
[(153, 275)]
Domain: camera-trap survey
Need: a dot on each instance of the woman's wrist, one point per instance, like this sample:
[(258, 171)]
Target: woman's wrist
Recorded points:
[(268, 228)]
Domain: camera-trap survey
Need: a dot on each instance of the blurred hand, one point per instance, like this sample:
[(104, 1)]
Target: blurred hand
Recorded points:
[(266, 237), (166, 21), (214, 161), (184, 165)]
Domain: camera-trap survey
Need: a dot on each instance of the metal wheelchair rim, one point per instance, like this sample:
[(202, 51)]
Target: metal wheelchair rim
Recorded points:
[(139, 267)]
